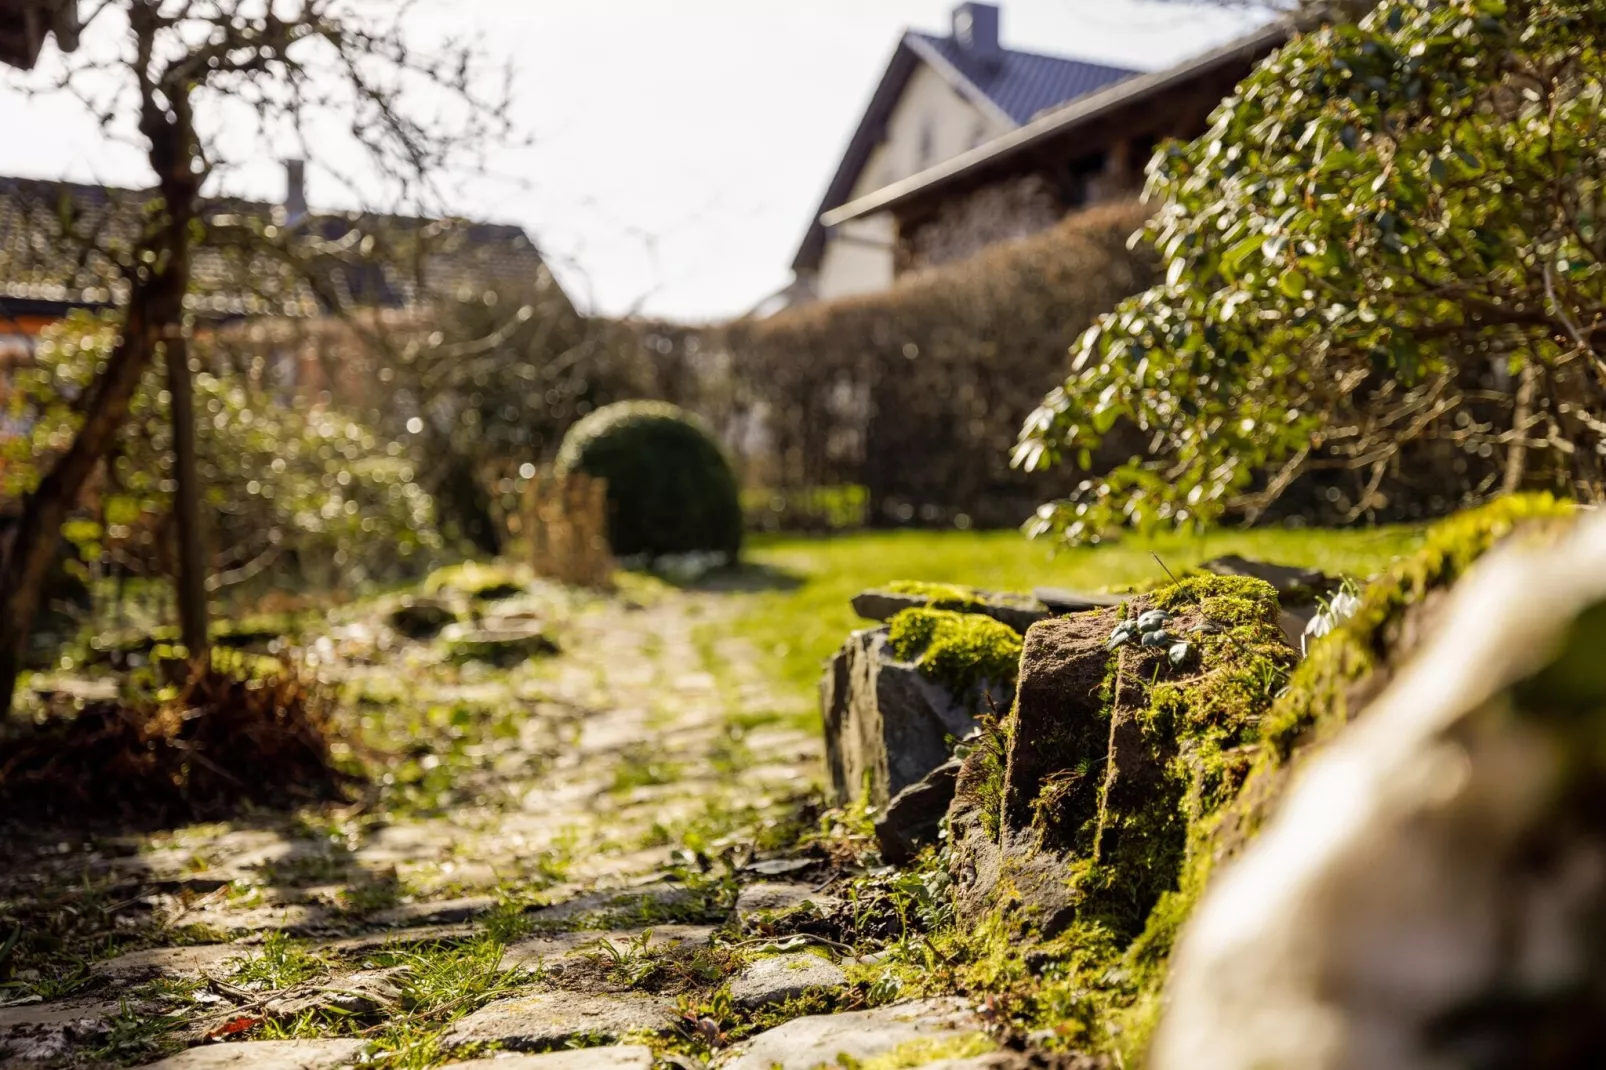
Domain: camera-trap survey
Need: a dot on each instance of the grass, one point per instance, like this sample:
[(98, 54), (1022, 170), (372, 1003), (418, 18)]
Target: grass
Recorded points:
[(797, 629)]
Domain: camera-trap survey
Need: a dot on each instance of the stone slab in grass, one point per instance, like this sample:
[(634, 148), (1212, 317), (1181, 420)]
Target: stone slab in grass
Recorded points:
[(661, 896), (825, 1039), (550, 1019), (554, 949), (1019, 611), (40, 1032), (619, 1057), (266, 1055), (167, 962), (784, 977), (440, 912), (428, 934), (778, 897)]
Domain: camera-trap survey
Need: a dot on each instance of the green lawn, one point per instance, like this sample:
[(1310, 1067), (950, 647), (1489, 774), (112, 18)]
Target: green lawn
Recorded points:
[(804, 615)]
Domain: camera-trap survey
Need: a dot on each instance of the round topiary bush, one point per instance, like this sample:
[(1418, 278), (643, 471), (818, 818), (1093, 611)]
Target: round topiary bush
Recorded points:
[(670, 489)]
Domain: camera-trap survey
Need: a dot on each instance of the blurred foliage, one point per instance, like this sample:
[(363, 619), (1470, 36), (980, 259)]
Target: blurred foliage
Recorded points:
[(914, 393), (1384, 270), (304, 489), (487, 386), (670, 488)]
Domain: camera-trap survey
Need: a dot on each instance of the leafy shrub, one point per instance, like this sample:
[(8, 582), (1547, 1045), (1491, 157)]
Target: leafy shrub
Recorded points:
[(308, 490), (1385, 252), (670, 489)]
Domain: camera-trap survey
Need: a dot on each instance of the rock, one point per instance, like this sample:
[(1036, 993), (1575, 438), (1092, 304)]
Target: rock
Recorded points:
[(360, 993), (266, 1055), (1016, 610), (440, 912), (780, 867), (1060, 600), (554, 950), (657, 898), (421, 618), (504, 647), (1432, 891), (550, 1019), (137, 966), (1292, 583), (768, 898), (914, 815), (623, 1057), (38, 1032), (1079, 806), (784, 977), (397, 938), (886, 724), (833, 1039)]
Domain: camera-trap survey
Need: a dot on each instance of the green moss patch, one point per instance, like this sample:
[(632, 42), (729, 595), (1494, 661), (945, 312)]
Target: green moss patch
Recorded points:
[(958, 650)]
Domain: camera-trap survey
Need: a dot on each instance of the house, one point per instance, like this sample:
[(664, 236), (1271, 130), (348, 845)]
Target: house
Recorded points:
[(25, 24), (63, 247), (941, 96), (1091, 149)]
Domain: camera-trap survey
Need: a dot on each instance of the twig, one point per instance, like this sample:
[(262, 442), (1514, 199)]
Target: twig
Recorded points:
[(1157, 561)]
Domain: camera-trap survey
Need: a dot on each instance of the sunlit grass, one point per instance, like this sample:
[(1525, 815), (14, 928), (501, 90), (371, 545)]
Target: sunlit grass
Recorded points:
[(797, 628)]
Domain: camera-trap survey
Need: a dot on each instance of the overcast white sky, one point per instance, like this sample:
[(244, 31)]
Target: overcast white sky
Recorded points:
[(680, 146)]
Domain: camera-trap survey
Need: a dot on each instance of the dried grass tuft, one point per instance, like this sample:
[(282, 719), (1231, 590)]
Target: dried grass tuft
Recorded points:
[(223, 741)]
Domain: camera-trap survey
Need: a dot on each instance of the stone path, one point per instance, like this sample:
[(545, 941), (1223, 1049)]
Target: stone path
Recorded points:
[(582, 851)]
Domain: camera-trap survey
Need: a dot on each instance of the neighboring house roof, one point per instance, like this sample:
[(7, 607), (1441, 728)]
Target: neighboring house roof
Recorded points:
[(1017, 84), (997, 153), (62, 246), (1013, 86)]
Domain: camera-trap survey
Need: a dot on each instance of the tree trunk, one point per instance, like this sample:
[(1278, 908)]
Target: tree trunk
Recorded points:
[(27, 563), (155, 315), (190, 576)]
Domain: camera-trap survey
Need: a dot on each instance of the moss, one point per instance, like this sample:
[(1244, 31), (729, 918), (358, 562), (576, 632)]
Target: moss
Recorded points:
[(961, 651), (938, 595), (922, 1052)]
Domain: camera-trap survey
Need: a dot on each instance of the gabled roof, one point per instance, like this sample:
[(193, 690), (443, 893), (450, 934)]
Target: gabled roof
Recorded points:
[(1013, 86), (1239, 53), (1018, 84), (62, 245)]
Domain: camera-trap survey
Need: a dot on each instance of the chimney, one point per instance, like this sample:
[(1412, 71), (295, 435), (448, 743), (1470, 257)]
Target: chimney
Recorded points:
[(295, 191), (976, 31)]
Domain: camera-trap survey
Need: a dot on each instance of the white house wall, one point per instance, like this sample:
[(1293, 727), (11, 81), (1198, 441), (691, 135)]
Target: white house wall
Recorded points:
[(929, 124)]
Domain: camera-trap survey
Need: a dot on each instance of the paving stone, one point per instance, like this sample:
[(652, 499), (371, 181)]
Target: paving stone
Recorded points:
[(32, 1015), (832, 1039), (168, 962), (552, 1018), (783, 977), (660, 894), (622, 1057), (359, 993), (429, 934), (776, 897), (556, 948), (441, 912), (266, 1055)]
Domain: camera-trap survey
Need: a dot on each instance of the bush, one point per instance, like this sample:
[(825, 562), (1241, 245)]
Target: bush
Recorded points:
[(1384, 276), (670, 489), (915, 393)]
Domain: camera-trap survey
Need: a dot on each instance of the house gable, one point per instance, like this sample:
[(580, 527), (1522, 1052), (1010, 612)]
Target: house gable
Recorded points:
[(938, 97)]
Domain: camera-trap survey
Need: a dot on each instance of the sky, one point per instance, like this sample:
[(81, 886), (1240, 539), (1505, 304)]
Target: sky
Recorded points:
[(671, 153)]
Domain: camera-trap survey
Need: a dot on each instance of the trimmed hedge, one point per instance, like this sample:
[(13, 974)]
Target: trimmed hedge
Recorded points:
[(670, 489), (917, 393)]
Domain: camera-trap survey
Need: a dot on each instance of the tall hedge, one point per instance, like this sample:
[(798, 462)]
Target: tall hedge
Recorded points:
[(917, 392)]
